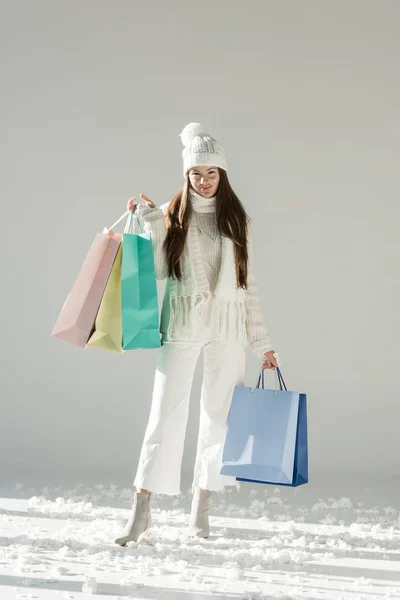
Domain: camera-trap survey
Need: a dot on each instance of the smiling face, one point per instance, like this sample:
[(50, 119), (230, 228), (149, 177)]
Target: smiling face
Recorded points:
[(204, 180)]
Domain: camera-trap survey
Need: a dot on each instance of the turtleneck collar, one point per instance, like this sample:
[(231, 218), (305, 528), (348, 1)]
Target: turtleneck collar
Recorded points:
[(201, 204)]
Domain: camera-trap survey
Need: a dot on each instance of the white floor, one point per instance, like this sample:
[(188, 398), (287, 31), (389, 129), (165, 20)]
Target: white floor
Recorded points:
[(319, 541)]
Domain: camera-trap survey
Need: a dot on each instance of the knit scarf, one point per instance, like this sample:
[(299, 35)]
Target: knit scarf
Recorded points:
[(226, 286), (196, 285)]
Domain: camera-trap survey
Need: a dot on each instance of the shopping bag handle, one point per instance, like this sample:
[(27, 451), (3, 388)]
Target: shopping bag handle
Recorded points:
[(126, 214), (278, 374), (129, 227), (281, 380)]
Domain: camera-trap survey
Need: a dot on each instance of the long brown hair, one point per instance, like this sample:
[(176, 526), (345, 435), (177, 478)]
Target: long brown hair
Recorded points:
[(232, 222)]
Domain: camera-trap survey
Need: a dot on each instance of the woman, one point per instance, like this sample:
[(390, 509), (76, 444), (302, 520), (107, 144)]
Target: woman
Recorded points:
[(202, 244)]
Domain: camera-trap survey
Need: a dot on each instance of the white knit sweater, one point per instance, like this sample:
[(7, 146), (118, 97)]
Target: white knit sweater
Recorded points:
[(153, 220)]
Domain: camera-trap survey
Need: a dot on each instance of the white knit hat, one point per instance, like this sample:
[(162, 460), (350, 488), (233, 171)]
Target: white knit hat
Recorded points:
[(200, 149)]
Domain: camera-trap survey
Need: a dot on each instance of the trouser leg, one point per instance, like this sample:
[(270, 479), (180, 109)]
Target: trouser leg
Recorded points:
[(224, 367), (160, 461)]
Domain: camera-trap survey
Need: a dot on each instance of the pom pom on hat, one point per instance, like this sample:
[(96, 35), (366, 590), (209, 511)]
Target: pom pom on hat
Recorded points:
[(190, 132)]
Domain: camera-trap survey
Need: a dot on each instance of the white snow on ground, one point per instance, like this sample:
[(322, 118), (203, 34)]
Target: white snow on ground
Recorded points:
[(266, 542)]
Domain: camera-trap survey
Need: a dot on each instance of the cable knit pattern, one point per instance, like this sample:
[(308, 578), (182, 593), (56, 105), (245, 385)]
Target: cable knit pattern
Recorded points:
[(185, 309), (211, 246)]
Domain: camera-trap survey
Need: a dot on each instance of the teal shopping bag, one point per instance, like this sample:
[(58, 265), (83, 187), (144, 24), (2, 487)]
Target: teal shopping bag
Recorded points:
[(266, 436), (139, 300)]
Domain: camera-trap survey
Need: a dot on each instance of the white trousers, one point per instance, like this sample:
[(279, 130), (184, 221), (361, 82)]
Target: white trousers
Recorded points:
[(160, 461)]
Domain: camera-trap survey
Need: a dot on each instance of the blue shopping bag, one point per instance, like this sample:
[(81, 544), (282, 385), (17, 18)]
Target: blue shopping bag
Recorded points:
[(266, 435), (139, 299)]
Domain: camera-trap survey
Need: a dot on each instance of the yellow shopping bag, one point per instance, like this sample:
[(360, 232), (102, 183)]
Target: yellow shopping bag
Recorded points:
[(108, 325)]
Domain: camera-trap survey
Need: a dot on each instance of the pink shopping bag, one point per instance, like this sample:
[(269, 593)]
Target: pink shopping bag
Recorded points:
[(75, 323)]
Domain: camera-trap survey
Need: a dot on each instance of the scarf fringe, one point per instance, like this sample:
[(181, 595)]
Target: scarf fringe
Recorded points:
[(189, 315)]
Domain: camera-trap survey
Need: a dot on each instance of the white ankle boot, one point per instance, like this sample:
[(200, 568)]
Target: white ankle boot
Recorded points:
[(199, 525), (139, 521)]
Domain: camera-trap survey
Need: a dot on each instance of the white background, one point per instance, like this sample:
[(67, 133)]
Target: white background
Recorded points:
[(304, 97)]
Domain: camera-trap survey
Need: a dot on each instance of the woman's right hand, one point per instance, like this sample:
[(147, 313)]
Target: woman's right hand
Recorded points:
[(131, 202)]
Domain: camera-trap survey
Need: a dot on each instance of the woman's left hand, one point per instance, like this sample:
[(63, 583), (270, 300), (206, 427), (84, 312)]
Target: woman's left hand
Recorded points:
[(271, 361)]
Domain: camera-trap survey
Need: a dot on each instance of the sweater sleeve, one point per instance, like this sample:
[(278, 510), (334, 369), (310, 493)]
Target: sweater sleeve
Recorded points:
[(153, 221), (257, 333)]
